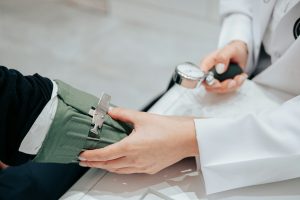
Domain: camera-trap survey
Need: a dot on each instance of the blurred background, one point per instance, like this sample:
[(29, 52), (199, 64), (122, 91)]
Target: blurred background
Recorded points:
[(127, 48)]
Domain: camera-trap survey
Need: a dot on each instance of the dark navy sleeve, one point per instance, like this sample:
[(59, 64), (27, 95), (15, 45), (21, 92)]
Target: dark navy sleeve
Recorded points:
[(22, 98)]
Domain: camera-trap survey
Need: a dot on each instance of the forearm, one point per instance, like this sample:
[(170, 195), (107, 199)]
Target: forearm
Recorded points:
[(50, 121)]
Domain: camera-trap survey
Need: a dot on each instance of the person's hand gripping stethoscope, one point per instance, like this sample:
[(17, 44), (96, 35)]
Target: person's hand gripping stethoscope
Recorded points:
[(220, 72)]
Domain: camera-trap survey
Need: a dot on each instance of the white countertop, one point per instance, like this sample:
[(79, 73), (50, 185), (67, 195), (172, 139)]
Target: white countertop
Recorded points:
[(180, 181)]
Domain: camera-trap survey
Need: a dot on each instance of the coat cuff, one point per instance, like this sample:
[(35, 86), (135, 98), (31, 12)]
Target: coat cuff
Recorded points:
[(212, 142)]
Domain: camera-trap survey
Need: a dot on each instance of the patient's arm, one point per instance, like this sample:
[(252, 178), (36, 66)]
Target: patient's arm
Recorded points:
[(23, 100), (73, 128)]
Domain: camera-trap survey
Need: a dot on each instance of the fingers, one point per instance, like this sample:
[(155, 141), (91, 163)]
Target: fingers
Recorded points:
[(109, 165), (219, 59), (233, 52), (236, 52), (110, 152), (223, 87), (208, 62), (229, 85), (121, 166), (222, 60), (240, 79)]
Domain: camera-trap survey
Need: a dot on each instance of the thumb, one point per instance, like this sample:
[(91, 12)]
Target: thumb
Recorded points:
[(222, 60), (218, 59), (122, 114), (235, 52)]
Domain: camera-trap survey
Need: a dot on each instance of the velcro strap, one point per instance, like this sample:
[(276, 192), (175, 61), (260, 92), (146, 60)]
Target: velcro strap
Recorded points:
[(78, 99)]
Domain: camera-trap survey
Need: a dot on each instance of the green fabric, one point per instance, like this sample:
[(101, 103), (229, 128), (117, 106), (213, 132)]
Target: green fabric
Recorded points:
[(69, 131)]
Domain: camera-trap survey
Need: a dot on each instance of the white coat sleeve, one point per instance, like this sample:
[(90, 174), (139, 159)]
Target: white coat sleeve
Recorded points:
[(236, 18), (250, 149)]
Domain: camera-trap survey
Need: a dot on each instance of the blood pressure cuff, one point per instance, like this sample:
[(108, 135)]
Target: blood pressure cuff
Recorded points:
[(70, 133)]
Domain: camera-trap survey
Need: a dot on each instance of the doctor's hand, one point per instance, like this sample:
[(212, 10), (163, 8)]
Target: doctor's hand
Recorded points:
[(155, 143), (235, 52)]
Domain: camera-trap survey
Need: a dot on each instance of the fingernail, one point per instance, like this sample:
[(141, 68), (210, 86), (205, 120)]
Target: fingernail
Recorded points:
[(82, 164), (231, 84), (220, 68), (81, 158)]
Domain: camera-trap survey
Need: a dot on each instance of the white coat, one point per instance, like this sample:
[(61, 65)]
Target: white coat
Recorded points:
[(251, 139), (256, 148)]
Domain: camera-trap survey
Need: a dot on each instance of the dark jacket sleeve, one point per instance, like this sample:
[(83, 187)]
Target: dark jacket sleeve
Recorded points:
[(22, 98)]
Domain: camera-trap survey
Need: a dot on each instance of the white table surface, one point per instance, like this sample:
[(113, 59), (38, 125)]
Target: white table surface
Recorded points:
[(180, 181)]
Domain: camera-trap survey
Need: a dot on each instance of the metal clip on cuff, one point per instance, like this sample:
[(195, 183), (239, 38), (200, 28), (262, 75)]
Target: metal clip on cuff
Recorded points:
[(99, 112)]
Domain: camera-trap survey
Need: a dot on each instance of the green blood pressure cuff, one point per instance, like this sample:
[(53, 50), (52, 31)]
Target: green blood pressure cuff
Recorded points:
[(70, 132)]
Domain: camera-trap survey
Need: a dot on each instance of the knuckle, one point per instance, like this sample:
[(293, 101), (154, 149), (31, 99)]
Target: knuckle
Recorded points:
[(105, 163), (126, 147), (209, 89), (144, 169), (213, 90), (221, 57), (136, 162), (235, 48), (223, 86), (101, 157), (222, 91), (98, 157), (94, 155)]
